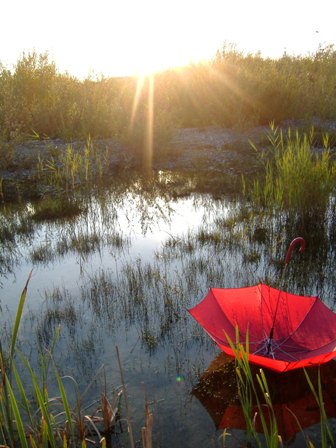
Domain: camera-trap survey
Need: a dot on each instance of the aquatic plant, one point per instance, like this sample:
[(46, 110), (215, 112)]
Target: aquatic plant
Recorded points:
[(66, 170), (298, 179)]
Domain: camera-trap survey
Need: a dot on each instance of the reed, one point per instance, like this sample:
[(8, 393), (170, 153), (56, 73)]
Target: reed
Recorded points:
[(327, 438), (248, 394), (73, 167), (297, 179)]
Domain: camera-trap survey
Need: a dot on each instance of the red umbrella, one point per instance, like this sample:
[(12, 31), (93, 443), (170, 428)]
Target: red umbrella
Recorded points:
[(285, 331), (294, 405)]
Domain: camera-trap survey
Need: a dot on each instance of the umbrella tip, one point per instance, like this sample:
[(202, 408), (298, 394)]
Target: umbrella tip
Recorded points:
[(295, 242)]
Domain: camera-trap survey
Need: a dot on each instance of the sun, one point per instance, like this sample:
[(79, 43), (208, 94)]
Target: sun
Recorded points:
[(154, 53), (161, 35)]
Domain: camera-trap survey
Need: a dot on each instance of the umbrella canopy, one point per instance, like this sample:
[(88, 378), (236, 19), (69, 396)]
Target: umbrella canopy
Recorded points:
[(304, 333), (285, 331), (294, 405)]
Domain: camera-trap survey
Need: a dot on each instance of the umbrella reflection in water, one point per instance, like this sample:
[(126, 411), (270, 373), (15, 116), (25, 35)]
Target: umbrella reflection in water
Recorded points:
[(293, 402)]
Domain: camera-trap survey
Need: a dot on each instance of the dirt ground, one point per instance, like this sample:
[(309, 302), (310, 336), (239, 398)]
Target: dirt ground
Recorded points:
[(215, 149)]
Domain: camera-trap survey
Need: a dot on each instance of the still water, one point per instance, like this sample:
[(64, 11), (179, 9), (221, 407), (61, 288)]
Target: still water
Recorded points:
[(122, 271)]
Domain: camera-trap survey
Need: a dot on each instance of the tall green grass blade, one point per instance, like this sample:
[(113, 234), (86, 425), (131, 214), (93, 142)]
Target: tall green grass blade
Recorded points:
[(24, 400), (17, 416), (65, 403), (324, 419), (7, 427), (32, 441), (18, 320), (326, 434), (47, 429)]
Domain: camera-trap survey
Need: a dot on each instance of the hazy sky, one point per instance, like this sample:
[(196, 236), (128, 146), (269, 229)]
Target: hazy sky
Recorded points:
[(117, 37)]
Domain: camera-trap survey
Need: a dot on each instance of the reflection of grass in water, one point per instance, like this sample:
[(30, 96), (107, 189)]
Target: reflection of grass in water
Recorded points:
[(153, 297), (81, 244), (52, 209), (84, 244), (42, 254)]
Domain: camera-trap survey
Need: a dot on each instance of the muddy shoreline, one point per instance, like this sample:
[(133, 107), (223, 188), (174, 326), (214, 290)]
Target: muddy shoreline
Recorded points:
[(208, 150)]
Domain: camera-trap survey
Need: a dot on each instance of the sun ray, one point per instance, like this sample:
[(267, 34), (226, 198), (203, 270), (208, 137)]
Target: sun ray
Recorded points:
[(148, 149), (136, 99)]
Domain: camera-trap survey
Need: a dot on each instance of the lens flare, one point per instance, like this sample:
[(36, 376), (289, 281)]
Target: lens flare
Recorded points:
[(180, 379)]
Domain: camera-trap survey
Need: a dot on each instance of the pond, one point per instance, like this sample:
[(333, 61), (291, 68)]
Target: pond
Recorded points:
[(117, 269)]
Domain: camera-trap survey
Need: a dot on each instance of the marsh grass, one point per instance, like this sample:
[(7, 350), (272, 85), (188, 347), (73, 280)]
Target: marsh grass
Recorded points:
[(327, 438), (153, 296), (248, 393), (66, 170), (297, 180)]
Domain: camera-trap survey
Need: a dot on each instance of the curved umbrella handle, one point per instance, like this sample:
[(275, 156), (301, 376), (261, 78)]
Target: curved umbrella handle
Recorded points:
[(298, 240)]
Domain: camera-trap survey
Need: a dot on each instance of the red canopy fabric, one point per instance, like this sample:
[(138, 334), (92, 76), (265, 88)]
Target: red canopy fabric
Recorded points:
[(304, 329)]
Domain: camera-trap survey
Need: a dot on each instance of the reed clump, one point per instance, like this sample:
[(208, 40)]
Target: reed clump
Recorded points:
[(297, 178)]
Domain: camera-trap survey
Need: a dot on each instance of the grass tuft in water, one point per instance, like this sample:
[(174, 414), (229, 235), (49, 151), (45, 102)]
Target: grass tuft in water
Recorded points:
[(298, 178), (52, 209)]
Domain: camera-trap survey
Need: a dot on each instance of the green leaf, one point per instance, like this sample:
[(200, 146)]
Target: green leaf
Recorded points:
[(18, 320)]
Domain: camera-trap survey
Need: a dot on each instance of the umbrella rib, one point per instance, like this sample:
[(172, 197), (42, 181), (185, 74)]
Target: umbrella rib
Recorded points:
[(263, 304), (279, 347), (304, 318), (319, 348)]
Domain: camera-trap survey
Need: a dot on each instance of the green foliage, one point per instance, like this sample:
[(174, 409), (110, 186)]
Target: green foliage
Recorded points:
[(249, 392), (297, 178), (231, 90), (67, 169), (327, 438)]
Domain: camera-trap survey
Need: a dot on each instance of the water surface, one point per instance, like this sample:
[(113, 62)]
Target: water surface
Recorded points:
[(123, 271)]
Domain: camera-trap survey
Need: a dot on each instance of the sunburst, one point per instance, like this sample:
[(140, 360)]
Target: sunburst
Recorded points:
[(147, 154)]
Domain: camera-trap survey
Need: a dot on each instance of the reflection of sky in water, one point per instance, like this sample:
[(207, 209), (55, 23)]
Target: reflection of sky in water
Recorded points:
[(147, 233)]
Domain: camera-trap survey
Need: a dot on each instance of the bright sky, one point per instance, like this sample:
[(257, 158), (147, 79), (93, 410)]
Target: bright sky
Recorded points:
[(121, 37)]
